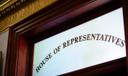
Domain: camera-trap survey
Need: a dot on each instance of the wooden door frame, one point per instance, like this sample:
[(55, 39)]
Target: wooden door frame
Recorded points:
[(49, 21)]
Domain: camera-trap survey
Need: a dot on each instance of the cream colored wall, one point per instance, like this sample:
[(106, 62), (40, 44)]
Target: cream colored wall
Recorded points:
[(3, 45)]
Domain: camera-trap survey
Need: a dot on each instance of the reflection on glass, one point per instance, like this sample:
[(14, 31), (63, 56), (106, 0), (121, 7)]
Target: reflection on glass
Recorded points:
[(94, 42)]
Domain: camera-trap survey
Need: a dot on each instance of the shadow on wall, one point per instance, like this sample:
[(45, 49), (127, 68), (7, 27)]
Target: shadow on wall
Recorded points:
[(1, 63)]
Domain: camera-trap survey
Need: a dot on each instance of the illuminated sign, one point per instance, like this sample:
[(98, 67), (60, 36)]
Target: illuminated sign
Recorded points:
[(94, 42)]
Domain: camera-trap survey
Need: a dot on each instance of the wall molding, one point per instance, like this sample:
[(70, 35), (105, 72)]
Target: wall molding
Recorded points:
[(8, 5), (16, 14)]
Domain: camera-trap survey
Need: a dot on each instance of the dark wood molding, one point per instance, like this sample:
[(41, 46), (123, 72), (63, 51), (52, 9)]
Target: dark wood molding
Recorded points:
[(19, 56), (125, 12), (58, 17)]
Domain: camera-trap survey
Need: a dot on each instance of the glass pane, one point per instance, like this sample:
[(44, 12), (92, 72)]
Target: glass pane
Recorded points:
[(97, 41)]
